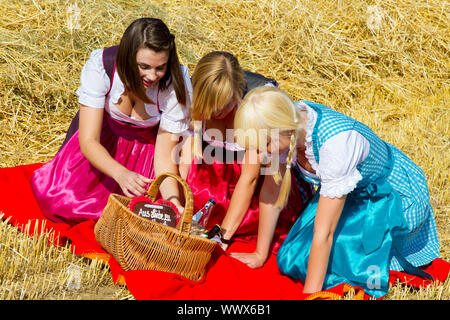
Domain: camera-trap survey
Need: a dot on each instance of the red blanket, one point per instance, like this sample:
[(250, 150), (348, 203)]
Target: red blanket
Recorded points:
[(226, 278)]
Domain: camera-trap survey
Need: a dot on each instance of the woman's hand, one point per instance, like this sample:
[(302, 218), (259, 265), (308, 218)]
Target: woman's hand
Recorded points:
[(132, 183), (253, 260), (268, 218), (91, 120), (179, 207)]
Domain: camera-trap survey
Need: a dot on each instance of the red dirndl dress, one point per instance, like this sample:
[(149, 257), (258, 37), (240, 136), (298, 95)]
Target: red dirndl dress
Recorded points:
[(217, 180)]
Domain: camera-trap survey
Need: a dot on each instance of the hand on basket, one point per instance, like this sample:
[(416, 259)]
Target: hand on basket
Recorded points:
[(252, 259), (131, 183), (180, 208), (177, 204)]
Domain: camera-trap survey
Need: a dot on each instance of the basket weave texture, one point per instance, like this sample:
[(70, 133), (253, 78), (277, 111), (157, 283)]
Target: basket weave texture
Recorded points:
[(138, 243)]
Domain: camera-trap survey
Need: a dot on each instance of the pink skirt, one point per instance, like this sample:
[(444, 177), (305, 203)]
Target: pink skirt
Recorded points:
[(69, 189), (218, 180)]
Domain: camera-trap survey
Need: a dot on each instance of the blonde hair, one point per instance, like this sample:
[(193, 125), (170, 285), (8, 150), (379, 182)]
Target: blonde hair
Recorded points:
[(216, 79), (263, 110)]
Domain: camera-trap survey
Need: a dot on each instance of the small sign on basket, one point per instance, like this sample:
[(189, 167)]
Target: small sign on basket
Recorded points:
[(161, 211), (133, 242)]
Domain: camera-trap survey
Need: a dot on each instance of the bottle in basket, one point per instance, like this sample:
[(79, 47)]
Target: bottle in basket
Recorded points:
[(202, 216), (200, 219)]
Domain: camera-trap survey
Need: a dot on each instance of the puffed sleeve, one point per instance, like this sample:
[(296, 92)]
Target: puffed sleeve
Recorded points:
[(338, 158), (94, 82), (174, 116)]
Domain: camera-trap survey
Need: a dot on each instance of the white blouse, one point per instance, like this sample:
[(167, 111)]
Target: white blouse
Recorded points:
[(95, 84), (336, 171)]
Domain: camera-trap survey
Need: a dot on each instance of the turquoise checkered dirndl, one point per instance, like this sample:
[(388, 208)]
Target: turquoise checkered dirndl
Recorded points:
[(387, 222)]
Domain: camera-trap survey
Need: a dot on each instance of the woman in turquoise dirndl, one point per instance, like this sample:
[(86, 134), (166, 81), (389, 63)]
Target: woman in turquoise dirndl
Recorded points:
[(371, 212)]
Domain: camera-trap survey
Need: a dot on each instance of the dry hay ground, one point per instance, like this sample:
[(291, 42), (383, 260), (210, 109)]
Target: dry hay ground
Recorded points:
[(384, 63)]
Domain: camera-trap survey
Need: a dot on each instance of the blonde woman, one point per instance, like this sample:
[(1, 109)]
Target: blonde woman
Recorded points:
[(372, 211), (222, 170)]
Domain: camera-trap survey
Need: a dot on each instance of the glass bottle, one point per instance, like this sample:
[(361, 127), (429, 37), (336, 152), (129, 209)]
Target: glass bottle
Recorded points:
[(200, 219)]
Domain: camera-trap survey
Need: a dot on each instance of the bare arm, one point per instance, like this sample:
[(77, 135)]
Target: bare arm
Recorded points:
[(165, 161), (327, 216), (90, 126), (186, 157), (268, 218), (243, 193)]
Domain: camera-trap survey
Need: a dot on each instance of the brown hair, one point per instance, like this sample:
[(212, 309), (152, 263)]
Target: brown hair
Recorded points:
[(216, 79), (149, 33)]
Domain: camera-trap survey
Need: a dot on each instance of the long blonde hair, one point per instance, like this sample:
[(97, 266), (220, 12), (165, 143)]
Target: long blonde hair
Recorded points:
[(216, 79), (262, 110)]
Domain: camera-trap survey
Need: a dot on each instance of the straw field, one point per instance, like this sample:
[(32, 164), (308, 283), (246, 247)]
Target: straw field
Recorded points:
[(385, 63)]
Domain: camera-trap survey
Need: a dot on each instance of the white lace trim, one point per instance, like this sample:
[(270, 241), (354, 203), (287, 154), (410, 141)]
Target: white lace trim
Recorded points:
[(336, 188), (333, 188)]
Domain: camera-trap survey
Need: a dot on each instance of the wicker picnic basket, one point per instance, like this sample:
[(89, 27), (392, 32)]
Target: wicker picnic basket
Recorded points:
[(138, 243)]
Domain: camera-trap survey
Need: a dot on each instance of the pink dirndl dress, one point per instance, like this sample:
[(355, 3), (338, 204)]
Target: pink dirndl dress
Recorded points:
[(217, 180), (69, 189)]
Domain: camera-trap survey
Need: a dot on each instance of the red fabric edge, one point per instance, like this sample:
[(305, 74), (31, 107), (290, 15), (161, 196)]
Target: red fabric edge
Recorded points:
[(226, 278)]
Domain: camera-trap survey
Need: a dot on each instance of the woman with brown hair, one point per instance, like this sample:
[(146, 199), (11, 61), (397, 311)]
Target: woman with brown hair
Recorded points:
[(216, 167), (134, 101)]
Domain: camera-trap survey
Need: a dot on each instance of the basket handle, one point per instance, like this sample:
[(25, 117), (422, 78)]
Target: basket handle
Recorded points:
[(186, 217)]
